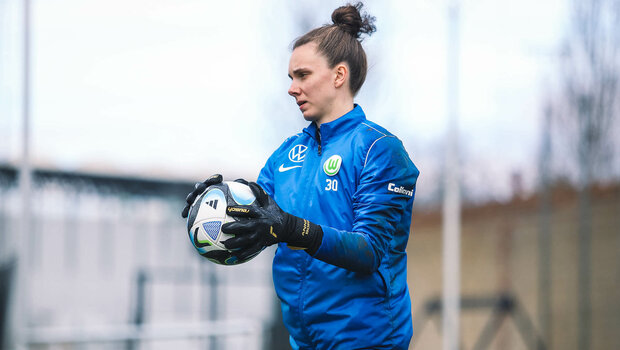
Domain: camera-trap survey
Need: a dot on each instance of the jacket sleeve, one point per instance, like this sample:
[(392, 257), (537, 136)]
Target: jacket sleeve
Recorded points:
[(265, 177), (383, 197)]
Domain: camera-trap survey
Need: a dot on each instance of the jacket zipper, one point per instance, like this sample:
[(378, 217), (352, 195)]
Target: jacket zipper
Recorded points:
[(318, 138)]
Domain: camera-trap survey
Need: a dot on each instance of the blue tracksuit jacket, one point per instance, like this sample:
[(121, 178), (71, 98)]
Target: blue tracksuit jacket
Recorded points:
[(356, 180)]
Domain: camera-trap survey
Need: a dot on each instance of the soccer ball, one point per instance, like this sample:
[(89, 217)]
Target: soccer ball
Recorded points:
[(207, 215)]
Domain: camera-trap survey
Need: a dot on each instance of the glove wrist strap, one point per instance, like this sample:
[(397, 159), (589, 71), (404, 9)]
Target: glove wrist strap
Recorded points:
[(303, 234)]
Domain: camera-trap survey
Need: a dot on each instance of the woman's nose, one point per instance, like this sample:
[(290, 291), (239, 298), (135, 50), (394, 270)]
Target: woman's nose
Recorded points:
[(293, 89)]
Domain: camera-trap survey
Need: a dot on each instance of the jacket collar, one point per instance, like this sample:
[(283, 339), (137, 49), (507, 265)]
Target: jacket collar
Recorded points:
[(339, 126)]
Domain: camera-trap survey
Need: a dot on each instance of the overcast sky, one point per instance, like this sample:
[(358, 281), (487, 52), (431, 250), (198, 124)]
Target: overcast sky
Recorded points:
[(186, 88)]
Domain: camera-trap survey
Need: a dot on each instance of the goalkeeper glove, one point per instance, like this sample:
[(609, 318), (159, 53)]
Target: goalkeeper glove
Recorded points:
[(199, 187), (265, 224)]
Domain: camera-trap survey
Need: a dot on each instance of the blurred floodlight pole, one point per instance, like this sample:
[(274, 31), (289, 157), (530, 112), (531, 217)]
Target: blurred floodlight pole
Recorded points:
[(544, 234), (452, 201), (25, 186)]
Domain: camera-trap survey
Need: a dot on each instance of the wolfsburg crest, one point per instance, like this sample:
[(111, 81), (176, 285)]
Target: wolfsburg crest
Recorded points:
[(332, 165)]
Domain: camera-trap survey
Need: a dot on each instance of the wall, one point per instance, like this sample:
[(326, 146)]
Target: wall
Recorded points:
[(500, 254)]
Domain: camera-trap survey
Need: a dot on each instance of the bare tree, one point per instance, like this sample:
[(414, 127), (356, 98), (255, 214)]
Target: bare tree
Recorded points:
[(590, 73), (584, 120)]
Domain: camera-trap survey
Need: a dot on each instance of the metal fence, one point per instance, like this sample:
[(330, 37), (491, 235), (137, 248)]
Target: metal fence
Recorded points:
[(108, 263)]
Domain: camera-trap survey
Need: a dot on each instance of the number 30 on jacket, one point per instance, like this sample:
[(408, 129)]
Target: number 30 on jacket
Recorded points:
[(332, 185)]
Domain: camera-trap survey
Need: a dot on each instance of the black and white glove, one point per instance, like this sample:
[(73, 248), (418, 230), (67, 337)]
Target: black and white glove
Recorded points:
[(199, 187), (264, 224)]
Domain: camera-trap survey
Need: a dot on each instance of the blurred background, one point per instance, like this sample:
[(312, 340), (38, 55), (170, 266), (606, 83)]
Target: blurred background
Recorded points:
[(111, 110)]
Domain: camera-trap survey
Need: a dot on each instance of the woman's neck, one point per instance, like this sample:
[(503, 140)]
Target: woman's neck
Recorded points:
[(341, 108)]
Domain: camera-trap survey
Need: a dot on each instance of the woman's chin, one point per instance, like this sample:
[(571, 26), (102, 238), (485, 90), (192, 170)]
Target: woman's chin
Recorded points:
[(309, 117)]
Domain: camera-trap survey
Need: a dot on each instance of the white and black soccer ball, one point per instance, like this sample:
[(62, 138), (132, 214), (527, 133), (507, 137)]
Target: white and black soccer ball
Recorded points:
[(207, 215)]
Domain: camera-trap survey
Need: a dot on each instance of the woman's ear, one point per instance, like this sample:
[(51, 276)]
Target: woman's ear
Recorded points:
[(342, 73)]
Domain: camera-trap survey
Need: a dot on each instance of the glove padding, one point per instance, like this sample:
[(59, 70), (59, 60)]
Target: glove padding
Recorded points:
[(199, 187), (265, 224)]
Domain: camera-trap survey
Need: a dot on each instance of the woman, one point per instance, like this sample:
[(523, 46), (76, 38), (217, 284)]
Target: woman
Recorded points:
[(337, 198)]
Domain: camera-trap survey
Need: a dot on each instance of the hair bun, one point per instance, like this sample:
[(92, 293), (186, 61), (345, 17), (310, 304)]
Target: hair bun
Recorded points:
[(350, 19)]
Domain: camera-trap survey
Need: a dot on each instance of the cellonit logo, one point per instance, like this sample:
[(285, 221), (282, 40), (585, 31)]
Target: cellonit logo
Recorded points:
[(392, 187), (297, 154), (332, 165)]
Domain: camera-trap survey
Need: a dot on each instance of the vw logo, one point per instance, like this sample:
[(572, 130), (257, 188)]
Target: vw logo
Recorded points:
[(297, 153)]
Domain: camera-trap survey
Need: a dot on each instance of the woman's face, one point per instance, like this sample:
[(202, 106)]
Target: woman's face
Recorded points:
[(312, 83)]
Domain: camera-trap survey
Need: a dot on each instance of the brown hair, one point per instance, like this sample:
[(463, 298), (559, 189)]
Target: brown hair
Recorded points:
[(340, 41)]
